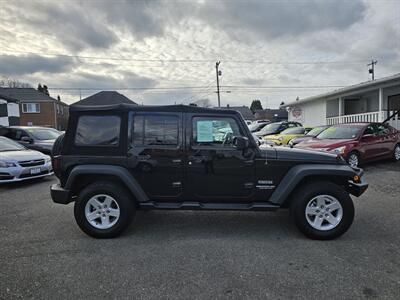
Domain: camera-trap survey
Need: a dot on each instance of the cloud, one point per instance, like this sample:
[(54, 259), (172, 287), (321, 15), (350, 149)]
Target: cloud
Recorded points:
[(27, 64), (276, 19), (70, 25)]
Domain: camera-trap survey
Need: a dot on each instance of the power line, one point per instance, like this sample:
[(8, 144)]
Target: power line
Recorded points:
[(236, 87), (183, 60)]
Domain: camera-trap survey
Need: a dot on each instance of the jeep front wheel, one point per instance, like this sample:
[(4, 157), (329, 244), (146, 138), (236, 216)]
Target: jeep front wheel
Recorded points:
[(104, 209), (322, 210)]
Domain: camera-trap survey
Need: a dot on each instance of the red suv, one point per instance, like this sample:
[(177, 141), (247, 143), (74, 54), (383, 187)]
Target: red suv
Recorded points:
[(358, 142)]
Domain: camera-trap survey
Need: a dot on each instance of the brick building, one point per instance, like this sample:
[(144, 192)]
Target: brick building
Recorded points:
[(37, 108)]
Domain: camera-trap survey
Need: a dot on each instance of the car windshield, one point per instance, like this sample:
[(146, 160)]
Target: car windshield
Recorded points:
[(270, 128), (294, 130), (255, 126), (44, 133), (9, 145), (340, 132), (316, 131)]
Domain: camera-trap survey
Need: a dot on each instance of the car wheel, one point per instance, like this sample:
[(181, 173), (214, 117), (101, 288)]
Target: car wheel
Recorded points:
[(322, 210), (104, 209), (396, 153), (353, 159)]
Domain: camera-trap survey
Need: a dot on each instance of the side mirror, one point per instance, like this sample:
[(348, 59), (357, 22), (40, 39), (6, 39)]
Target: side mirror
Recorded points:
[(27, 139), (241, 142)]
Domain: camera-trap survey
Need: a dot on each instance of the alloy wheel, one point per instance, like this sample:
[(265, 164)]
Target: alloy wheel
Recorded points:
[(397, 152), (353, 160), (324, 212), (102, 211)]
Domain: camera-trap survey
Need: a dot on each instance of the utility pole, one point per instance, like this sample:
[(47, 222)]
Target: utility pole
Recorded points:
[(372, 70), (218, 74)]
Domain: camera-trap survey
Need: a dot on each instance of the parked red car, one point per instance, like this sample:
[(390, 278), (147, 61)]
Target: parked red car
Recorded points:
[(358, 142)]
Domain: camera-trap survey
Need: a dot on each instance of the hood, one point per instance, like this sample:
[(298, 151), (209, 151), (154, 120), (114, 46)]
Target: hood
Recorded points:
[(327, 144), (273, 136), (307, 155), (46, 144), (22, 155), (302, 138)]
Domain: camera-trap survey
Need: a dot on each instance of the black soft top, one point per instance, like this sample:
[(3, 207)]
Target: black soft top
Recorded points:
[(152, 108)]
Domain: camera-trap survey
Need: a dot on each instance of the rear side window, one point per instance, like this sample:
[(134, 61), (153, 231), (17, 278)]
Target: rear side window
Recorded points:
[(98, 131), (155, 130)]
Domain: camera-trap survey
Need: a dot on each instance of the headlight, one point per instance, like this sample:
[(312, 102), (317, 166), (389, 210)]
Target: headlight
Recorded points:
[(280, 138), (339, 150), (47, 159), (7, 164)]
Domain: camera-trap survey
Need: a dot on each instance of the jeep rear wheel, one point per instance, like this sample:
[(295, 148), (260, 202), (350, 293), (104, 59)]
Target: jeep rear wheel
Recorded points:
[(104, 209), (322, 210)]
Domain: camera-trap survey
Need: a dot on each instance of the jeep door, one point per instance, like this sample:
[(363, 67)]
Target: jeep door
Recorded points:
[(155, 153), (216, 170)]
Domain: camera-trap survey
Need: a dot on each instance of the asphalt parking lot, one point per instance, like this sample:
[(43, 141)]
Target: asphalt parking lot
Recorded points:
[(203, 255)]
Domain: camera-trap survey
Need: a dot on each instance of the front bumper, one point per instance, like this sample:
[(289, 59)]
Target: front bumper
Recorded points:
[(59, 194), (19, 173), (357, 188)]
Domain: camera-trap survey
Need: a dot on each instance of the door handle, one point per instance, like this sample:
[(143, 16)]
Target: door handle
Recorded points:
[(176, 161)]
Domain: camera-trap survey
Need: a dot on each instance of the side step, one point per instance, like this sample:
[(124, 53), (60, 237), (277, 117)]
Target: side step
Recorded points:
[(254, 206)]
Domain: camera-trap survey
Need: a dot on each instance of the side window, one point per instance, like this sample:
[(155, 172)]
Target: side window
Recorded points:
[(98, 131), (156, 130), (370, 129), (216, 132), (383, 130)]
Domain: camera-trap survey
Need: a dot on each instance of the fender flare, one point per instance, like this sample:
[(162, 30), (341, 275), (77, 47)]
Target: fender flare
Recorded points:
[(294, 176), (118, 171)]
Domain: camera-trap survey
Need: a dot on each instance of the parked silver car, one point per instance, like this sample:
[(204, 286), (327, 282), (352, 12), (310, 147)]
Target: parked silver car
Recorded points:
[(18, 163)]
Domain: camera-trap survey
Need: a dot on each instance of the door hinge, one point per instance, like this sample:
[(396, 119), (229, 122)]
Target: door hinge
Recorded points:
[(177, 184)]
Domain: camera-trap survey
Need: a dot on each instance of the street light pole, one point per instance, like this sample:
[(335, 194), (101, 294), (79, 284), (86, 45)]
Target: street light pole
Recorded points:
[(218, 74)]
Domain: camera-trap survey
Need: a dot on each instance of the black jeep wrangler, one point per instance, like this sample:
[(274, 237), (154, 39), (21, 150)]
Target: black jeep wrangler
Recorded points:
[(114, 160)]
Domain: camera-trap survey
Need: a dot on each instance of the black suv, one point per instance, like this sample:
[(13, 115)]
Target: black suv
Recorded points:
[(114, 160)]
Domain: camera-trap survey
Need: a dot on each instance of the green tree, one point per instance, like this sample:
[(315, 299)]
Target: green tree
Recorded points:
[(40, 88), (255, 105)]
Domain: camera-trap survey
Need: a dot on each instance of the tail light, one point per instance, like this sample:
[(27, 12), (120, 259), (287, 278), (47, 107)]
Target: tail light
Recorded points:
[(56, 162)]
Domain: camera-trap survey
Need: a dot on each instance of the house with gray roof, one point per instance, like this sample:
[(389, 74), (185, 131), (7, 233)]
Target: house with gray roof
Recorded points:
[(37, 108), (105, 98)]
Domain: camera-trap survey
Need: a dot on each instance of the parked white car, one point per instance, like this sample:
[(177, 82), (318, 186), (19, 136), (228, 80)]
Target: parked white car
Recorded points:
[(18, 163)]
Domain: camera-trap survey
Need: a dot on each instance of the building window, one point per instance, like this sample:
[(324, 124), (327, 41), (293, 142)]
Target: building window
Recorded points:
[(31, 108)]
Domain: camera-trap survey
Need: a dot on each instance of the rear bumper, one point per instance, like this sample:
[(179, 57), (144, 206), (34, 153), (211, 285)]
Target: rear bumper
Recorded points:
[(59, 194)]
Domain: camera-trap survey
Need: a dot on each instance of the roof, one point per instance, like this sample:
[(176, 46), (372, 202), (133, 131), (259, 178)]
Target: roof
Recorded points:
[(152, 108), (27, 94), (8, 99), (395, 79), (105, 98), (244, 110), (271, 113)]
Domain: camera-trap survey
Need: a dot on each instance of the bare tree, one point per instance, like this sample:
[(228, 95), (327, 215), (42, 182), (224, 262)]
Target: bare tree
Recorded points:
[(9, 82)]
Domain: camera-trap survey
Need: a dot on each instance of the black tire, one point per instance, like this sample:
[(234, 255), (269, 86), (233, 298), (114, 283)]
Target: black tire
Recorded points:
[(357, 155), (305, 194), (394, 153), (121, 196), (58, 144)]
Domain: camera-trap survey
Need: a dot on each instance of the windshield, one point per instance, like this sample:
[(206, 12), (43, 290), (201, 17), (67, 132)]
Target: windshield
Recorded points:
[(294, 130), (9, 145), (340, 132), (316, 131), (273, 127), (44, 133)]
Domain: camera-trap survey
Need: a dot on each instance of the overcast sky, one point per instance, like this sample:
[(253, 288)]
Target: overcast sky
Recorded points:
[(169, 45)]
